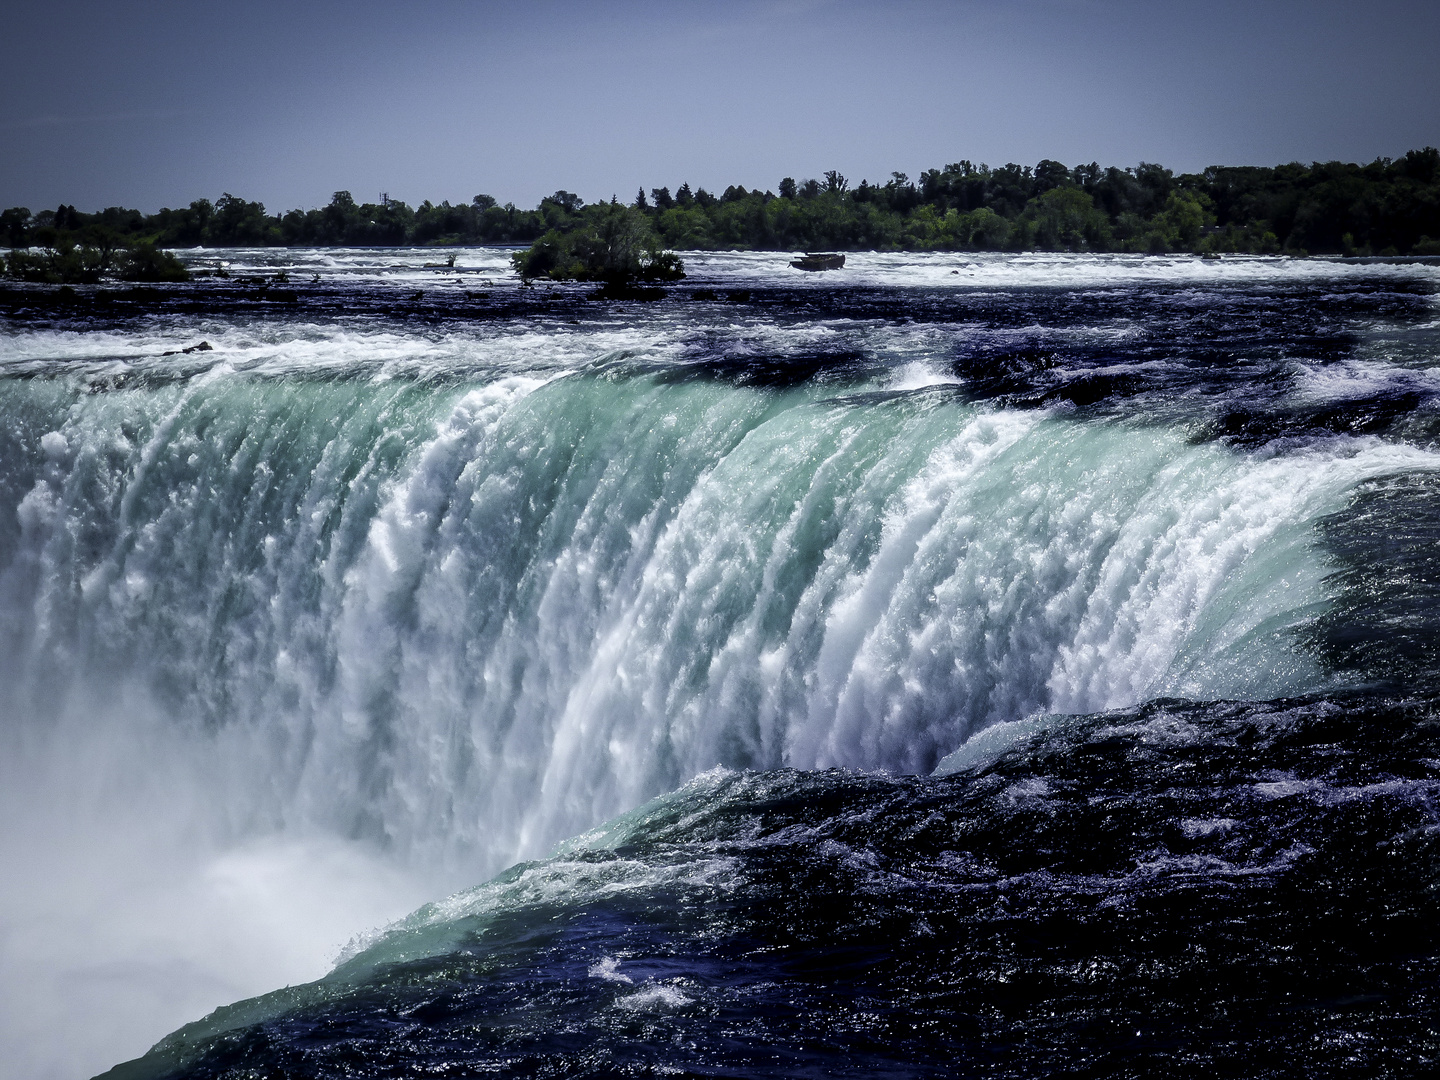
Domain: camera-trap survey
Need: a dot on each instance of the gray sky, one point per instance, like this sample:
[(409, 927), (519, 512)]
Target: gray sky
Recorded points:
[(151, 104)]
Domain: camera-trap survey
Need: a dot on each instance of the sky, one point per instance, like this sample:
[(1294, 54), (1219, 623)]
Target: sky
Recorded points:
[(151, 104)]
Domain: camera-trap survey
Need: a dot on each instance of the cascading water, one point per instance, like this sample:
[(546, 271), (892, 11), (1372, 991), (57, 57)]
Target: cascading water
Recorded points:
[(432, 601), (486, 619)]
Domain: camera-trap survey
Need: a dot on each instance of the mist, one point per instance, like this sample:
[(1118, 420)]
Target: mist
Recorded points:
[(132, 903)]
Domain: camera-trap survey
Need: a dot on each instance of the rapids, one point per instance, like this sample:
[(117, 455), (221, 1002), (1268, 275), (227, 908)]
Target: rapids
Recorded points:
[(399, 584)]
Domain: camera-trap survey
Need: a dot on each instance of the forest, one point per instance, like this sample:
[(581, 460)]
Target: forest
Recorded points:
[(1386, 207)]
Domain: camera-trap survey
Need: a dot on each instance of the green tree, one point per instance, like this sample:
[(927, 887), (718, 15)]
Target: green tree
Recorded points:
[(1183, 220), (985, 229), (237, 223), (14, 224), (1065, 219)]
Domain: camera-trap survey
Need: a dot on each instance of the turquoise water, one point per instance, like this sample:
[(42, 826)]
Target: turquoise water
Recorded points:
[(377, 600)]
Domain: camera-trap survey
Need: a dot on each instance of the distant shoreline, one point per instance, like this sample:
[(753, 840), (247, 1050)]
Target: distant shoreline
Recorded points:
[(1381, 209)]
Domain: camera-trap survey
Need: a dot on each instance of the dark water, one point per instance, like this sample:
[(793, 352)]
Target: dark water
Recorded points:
[(1026, 670), (1243, 890)]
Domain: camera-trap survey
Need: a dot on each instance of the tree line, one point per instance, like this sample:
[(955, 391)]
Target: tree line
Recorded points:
[(1386, 207)]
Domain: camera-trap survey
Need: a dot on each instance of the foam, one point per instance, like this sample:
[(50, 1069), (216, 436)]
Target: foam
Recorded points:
[(404, 268), (657, 997)]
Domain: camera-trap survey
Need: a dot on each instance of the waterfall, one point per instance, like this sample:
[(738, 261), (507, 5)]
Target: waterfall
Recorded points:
[(465, 621)]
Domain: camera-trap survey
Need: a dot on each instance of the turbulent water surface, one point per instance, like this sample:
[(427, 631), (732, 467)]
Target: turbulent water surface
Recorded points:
[(1007, 665)]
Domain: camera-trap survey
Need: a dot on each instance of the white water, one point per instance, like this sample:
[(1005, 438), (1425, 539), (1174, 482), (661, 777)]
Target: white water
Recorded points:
[(125, 913), (283, 656), (489, 268)]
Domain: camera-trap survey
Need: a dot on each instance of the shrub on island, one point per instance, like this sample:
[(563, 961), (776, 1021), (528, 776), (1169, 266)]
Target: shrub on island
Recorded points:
[(146, 262), (64, 262), (611, 244)]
